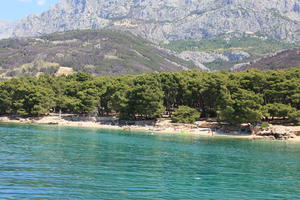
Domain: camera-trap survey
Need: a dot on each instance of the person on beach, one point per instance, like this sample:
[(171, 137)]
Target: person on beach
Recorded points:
[(211, 132)]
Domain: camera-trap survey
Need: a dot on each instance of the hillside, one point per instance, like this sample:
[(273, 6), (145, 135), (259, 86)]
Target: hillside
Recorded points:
[(219, 53), (217, 34), (104, 52), (281, 60)]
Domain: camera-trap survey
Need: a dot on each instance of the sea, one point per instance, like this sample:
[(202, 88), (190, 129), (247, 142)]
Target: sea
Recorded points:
[(53, 162)]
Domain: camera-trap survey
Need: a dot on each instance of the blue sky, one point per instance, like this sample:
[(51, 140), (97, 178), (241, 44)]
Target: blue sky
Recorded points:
[(17, 9)]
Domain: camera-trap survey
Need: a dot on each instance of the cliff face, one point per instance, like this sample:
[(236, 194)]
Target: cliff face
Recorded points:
[(163, 20)]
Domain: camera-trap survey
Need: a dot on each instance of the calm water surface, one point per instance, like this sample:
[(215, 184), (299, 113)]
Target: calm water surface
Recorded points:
[(43, 162)]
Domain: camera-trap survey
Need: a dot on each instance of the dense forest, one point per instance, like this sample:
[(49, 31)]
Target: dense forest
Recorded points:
[(242, 97)]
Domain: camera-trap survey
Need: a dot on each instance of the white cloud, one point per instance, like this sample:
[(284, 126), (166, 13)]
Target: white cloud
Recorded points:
[(38, 2), (41, 2)]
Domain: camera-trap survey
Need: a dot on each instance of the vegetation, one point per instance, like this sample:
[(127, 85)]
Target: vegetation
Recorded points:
[(253, 45), (295, 117), (243, 97), (265, 125), (100, 52), (277, 110), (256, 46), (185, 114), (281, 60)]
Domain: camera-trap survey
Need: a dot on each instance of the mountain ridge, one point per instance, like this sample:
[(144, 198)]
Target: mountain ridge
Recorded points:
[(165, 20)]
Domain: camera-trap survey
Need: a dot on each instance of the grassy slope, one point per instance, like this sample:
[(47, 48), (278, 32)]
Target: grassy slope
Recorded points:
[(104, 52)]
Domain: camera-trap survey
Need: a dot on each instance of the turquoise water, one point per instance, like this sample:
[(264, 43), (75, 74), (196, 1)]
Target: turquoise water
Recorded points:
[(43, 162)]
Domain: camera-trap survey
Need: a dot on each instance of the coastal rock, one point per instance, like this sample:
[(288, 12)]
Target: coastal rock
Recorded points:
[(296, 133), (277, 134)]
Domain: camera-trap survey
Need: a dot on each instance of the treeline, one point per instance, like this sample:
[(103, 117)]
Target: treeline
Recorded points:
[(244, 97)]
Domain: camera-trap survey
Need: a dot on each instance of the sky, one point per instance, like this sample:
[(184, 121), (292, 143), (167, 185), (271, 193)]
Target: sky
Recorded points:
[(17, 9)]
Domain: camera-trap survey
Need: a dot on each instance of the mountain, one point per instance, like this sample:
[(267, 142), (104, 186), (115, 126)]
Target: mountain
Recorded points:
[(167, 20), (281, 60), (105, 52), (6, 28)]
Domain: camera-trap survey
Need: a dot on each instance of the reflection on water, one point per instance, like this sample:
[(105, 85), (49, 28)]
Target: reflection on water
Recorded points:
[(44, 162)]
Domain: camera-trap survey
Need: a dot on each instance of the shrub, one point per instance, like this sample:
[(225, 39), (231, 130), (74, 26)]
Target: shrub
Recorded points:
[(185, 114), (265, 125)]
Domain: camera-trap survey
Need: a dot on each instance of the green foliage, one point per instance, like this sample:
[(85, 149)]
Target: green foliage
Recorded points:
[(277, 110), (242, 107), (244, 97), (185, 114), (295, 117), (25, 97), (265, 125), (145, 99), (5, 101), (252, 45)]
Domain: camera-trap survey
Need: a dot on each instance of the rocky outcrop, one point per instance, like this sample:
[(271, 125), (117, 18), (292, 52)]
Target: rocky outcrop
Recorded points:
[(162, 20), (237, 55), (275, 134), (200, 58)]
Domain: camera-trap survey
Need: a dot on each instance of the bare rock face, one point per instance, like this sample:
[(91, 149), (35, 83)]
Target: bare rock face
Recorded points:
[(201, 58), (163, 20), (276, 134), (6, 28)]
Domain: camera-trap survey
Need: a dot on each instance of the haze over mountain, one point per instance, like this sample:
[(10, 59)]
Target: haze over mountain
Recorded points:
[(162, 20)]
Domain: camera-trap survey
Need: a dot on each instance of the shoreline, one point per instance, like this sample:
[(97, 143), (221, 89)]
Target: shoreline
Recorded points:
[(163, 129)]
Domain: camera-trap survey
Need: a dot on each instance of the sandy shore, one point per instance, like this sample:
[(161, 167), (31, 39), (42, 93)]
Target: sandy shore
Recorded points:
[(164, 127)]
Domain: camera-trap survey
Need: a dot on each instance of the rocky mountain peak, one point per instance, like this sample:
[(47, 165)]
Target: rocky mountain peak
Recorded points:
[(164, 20)]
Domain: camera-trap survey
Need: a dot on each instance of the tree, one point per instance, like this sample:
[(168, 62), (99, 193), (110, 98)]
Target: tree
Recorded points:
[(295, 99), (40, 101), (277, 110), (242, 107), (5, 100), (114, 94), (89, 99), (30, 99), (80, 97), (295, 117), (185, 114), (145, 99), (172, 88)]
